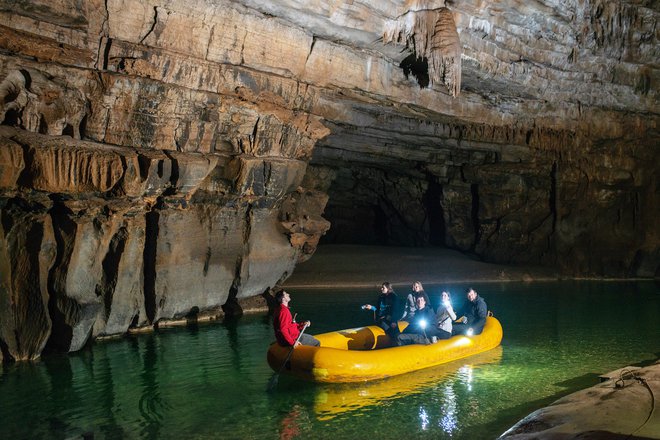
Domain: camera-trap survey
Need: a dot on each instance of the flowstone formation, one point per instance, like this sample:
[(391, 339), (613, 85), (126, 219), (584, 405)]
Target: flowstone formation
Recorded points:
[(161, 160)]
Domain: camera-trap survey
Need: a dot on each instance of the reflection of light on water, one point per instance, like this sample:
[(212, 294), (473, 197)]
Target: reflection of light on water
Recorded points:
[(448, 421), (333, 400), (424, 418), (465, 375)]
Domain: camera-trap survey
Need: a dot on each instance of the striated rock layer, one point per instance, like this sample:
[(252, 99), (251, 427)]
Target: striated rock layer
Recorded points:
[(161, 160)]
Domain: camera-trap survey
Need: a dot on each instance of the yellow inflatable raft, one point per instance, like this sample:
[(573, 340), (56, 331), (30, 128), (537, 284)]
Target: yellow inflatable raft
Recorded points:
[(363, 353)]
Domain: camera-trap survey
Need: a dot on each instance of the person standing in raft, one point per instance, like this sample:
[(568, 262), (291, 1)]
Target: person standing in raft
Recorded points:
[(286, 330), (387, 312), (475, 315), (421, 326), (411, 301)]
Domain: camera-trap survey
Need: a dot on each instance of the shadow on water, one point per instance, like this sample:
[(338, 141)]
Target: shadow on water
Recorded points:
[(586, 380), (510, 416), (648, 362)]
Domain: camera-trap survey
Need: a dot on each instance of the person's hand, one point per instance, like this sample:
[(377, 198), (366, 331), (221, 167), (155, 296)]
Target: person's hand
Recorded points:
[(393, 325), (463, 319), (297, 344), (308, 323)]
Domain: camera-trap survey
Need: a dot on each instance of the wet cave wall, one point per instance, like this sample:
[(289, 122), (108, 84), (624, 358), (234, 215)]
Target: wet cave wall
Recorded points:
[(171, 160), (136, 192)]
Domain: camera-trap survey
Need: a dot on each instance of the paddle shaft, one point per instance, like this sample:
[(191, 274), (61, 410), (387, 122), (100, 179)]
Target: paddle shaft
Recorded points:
[(288, 356)]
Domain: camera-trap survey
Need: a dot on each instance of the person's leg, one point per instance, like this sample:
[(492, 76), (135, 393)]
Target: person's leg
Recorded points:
[(437, 334), (459, 329), (392, 332), (407, 339), (384, 325), (420, 339), (478, 330), (441, 334), (306, 339)]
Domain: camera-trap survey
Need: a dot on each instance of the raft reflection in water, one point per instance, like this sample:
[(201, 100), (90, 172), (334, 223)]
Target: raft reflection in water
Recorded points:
[(336, 399)]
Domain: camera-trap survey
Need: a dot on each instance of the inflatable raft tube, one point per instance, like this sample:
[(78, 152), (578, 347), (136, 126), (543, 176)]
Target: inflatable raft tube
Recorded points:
[(363, 354)]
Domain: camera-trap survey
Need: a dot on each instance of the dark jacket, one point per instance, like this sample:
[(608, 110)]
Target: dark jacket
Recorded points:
[(476, 313), (411, 306), (286, 331), (387, 308), (427, 315)]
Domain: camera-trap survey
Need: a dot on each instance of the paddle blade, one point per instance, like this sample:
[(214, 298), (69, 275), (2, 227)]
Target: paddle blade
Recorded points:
[(272, 383)]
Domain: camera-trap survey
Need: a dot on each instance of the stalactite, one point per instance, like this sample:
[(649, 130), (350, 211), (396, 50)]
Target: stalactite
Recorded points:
[(431, 34)]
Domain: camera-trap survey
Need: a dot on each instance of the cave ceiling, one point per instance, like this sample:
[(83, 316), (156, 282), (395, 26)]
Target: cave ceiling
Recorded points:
[(558, 68)]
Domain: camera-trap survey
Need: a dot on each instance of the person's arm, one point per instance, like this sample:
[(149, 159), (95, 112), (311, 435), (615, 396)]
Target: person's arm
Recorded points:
[(482, 310), (385, 308), (377, 310), (450, 312), (431, 317), (482, 313), (406, 307), (438, 317)]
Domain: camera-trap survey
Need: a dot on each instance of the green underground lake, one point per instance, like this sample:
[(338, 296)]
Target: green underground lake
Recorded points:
[(209, 381)]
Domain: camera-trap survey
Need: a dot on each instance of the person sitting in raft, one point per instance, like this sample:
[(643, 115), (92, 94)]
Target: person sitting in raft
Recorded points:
[(411, 304), (444, 317), (387, 311), (286, 330), (421, 328), (475, 315)]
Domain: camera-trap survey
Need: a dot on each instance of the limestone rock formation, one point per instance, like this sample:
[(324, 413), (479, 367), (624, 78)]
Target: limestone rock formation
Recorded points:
[(162, 159)]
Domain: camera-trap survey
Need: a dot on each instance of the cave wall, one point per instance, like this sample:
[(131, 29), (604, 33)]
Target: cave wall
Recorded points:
[(586, 207), (161, 159), (128, 197)]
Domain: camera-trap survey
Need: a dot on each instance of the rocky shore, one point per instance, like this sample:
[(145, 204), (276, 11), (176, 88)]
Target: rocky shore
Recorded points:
[(623, 406)]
